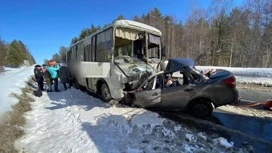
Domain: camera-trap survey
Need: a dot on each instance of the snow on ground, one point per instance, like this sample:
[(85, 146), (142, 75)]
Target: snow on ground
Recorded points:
[(262, 76), (11, 81), (72, 121)]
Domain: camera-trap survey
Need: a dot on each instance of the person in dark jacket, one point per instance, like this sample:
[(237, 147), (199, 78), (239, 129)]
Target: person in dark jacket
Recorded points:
[(48, 80), (64, 76), (38, 72)]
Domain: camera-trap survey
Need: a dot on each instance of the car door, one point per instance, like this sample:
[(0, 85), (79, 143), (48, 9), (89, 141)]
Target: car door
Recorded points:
[(177, 97), (151, 96)]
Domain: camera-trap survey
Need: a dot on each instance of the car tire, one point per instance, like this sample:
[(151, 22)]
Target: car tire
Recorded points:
[(105, 93), (201, 108)]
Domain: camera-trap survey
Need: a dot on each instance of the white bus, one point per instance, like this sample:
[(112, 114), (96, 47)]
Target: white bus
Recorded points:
[(116, 58)]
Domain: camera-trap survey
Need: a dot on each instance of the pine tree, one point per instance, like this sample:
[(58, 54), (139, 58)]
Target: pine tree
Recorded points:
[(62, 53), (3, 51)]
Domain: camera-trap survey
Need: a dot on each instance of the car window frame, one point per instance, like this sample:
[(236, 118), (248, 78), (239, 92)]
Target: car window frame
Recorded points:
[(184, 72)]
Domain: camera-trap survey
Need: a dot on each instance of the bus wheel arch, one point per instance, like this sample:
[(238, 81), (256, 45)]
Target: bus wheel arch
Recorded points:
[(103, 90)]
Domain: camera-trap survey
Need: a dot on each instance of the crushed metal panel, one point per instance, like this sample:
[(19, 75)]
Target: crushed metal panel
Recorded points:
[(148, 98)]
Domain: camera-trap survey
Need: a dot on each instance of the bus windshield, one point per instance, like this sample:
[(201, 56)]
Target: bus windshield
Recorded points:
[(124, 50), (131, 65), (137, 48)]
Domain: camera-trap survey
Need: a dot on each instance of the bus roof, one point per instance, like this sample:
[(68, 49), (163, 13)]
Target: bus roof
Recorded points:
[(136, 25), (126, 24)]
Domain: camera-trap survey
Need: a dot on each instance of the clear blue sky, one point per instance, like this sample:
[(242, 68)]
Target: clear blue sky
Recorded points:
[(45, 25)]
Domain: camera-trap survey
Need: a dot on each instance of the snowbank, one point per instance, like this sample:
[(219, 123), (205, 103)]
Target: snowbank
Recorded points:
[(258, 76), (11, 81)]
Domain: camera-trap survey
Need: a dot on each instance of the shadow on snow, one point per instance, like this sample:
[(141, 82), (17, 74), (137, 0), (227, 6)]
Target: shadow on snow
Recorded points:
[(240, 129), (72, 97)]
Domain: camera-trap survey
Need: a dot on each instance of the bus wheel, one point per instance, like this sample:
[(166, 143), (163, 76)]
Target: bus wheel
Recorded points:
[(76, 84), (105, 92)]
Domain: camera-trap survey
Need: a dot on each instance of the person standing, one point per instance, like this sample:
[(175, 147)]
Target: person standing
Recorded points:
[(64, 76), (48, 80), (39, 79), (53, 70)]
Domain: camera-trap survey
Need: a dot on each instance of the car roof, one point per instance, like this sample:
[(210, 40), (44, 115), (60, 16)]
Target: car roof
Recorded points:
[(175, 64)]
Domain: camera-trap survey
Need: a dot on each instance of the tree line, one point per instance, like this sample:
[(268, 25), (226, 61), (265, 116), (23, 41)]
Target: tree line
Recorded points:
[(59, 57), (13, 54), (221, 35)]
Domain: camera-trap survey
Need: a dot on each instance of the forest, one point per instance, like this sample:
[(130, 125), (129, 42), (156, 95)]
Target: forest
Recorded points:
[(13, 54), (221, 35)]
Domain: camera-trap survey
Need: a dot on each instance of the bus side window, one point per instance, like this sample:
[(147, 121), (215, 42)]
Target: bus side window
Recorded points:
[(103, 46), (87, 54), (93, 49)]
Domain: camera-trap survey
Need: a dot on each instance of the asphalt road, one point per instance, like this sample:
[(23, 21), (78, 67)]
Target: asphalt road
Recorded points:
[(258, 94), (258, 129)]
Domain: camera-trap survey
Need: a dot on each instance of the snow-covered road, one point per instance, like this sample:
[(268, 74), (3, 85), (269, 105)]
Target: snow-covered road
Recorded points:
[(72, 121)]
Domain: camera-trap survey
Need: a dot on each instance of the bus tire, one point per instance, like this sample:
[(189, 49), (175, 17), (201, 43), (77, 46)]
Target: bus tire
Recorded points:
[(78, 86), (105, 93)]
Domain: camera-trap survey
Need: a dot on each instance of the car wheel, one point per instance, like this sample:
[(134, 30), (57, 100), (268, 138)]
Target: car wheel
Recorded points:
[(105, 92), (201, 108)]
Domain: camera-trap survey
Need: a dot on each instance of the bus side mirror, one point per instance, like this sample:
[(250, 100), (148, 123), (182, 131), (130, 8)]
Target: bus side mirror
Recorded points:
[(164, 51)]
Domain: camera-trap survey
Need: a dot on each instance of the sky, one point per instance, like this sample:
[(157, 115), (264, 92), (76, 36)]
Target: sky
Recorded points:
[(45, 25)]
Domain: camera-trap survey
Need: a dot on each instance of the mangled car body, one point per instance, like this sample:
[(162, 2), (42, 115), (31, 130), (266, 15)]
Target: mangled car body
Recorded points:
[(182, 87)]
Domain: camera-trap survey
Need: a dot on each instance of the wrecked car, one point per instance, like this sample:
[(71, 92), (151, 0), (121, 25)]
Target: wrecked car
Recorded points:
[(182, 87)]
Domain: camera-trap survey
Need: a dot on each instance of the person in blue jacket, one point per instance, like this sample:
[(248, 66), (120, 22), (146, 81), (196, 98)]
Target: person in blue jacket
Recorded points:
[(53, 70)]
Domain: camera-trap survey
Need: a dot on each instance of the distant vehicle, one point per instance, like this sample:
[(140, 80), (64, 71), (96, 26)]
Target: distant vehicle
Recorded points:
[(181, 87), (119, 56)]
